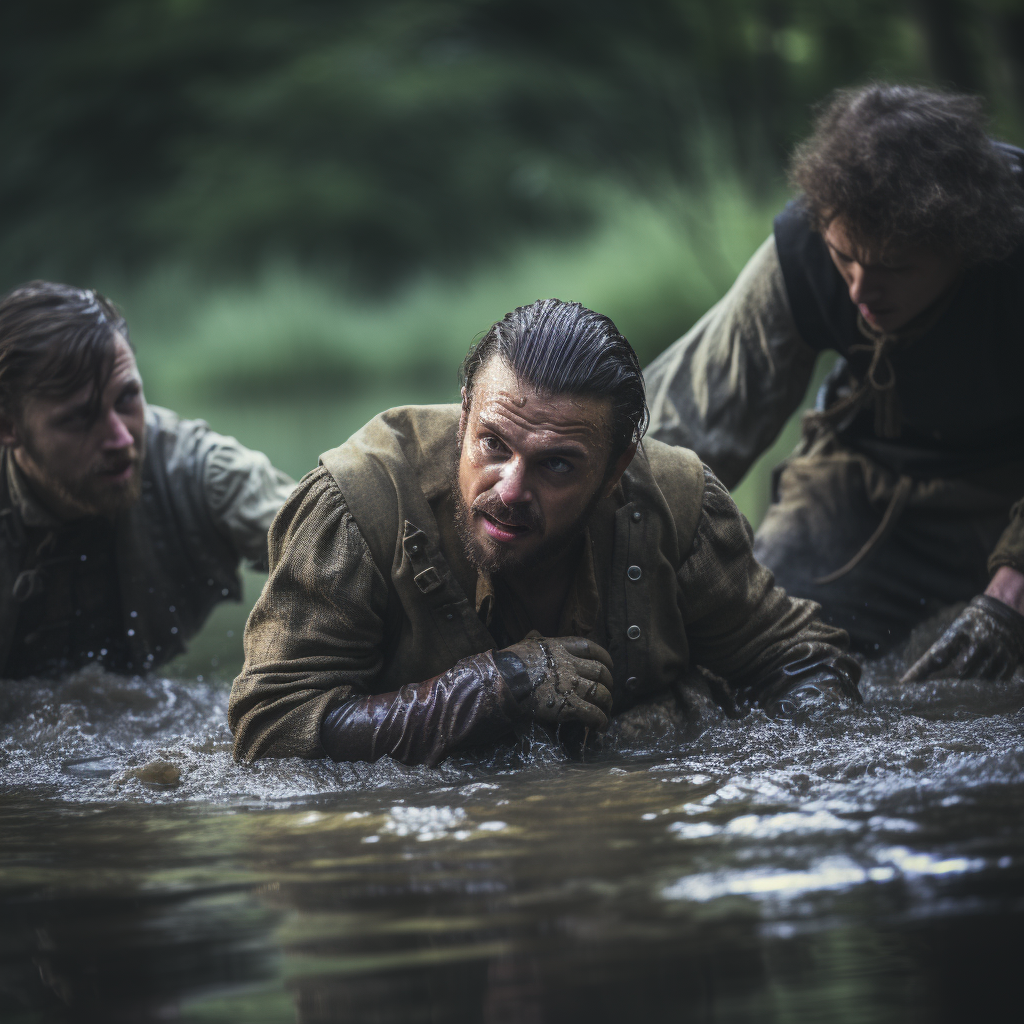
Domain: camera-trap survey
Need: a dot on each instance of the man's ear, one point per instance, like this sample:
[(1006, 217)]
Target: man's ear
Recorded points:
[(9, 436), (620, 467)]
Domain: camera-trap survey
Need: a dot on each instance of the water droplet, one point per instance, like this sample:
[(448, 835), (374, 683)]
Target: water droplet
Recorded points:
[(83, 558), (131, 632), (174, 629), (134, 615)]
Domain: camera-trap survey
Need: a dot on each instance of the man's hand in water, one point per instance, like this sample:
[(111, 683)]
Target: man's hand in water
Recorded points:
[(558, 680), (986, 641)]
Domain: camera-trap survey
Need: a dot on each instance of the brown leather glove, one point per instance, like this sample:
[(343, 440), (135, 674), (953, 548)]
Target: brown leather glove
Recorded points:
[(985, 641), (559, 679), (424, 722)]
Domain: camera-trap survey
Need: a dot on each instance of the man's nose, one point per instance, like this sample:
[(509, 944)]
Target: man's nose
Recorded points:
[(864, 286), (512, 484), (115, 433)]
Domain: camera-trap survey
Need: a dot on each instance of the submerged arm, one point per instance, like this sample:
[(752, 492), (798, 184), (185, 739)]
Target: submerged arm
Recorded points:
[(742, 627), (727, 387)]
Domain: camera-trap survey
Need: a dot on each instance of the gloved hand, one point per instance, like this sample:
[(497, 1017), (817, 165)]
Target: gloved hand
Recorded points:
[(821, 692), (559, 679), (985, 641)]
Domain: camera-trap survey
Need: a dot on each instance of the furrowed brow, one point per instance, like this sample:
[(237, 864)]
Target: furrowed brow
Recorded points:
[(564, 450)]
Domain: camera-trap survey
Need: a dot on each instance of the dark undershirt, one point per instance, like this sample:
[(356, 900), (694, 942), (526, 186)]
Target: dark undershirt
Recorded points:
[(71, 612)]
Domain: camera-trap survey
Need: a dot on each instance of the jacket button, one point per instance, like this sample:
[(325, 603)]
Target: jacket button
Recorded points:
[(633, 632), (636, 517), (415, 549), (631, 682), (633, 572)]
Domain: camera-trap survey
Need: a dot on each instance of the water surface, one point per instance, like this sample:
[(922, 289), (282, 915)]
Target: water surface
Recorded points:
[(864, 865)]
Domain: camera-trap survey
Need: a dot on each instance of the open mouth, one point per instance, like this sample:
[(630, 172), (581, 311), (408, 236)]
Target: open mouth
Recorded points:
[(504, 532), (118, 474)]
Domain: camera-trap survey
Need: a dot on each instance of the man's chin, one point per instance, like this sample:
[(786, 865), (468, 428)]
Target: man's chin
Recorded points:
[(108, 498)]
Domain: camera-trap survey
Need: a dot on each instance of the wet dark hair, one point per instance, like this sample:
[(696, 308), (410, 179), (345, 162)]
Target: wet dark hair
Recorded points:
[(54, 339), (565, 348), (911, 166)]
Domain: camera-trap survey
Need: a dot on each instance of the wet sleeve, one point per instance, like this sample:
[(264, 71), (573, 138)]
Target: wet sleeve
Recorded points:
[(740, 625), (315, 636), (243, 493), (1010, 549), (314, 648), (727, 387)]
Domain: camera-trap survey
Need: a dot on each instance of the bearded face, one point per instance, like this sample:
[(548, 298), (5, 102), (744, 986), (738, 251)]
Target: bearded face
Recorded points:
[(532, 467), (83, 455)]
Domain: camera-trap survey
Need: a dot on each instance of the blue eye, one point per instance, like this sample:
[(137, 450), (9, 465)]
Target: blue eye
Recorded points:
[(557, 465)]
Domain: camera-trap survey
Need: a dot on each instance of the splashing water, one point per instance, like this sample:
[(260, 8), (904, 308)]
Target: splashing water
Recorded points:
[(761, 870)]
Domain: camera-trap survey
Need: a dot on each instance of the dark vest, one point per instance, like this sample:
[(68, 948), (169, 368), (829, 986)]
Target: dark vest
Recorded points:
[(960, 385)]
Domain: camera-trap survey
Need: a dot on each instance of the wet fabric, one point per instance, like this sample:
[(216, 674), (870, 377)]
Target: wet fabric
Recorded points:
[(369, 590), (725, 389), (827, 501), (149, 577), (68, 601)]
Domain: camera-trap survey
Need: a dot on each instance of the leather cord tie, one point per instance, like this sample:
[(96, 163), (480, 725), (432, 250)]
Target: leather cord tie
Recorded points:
[(893, 511), (877, 387)]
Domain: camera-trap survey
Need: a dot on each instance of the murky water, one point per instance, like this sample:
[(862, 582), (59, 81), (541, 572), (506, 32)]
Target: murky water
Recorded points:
[(866, 866)]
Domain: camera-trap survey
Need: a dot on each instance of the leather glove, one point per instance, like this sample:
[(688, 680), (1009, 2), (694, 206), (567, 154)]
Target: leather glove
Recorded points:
[(559, 679), (815, 675), (985, 641)]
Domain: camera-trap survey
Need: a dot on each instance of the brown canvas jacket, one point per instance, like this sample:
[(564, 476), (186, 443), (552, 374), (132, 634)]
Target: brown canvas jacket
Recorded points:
[(369, 590), (207, 503)]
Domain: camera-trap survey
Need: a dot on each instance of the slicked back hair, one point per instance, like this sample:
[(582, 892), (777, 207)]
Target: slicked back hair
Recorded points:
[(54, 340), (911, 166), (564, 348)]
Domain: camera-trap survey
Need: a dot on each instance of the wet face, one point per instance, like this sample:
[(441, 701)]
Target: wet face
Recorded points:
[(889, 288), (79, 460), (532, 467)]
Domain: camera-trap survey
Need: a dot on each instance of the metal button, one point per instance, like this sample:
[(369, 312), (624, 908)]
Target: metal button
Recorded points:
[(633, 572), (449, 616), (415, 549), (633, 632), (636, 516), (631, 682)]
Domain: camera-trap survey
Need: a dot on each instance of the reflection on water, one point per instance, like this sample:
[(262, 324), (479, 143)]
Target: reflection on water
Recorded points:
[(868, 866)]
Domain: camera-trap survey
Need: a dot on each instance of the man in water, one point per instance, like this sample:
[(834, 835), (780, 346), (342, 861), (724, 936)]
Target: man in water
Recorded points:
[(452, 572), (122, 525), (905, 254)]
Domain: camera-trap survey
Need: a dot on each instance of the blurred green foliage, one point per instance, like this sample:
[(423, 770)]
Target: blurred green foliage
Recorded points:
[(380, 138)]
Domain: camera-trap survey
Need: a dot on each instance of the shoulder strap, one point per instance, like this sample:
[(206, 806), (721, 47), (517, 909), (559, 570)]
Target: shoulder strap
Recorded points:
[(677, 476), (385, 471)]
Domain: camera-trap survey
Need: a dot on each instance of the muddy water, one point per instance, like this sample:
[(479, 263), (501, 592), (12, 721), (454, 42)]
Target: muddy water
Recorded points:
[(861, 866)]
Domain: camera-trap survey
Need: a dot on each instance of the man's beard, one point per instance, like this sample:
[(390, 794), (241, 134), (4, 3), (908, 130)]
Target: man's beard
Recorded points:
[(501, 559), (91, 495)]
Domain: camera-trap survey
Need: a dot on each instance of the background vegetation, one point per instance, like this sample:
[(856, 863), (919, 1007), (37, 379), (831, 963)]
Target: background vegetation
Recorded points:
[(309, 209)]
